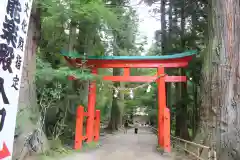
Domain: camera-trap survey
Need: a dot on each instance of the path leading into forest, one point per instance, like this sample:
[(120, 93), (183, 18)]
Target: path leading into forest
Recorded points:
[(128, 146)]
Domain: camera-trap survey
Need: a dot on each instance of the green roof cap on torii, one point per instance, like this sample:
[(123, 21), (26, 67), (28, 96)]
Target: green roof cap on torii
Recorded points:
[(75, 55)]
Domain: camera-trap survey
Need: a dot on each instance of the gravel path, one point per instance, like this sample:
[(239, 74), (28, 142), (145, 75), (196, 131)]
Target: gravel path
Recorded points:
[(125, 147)]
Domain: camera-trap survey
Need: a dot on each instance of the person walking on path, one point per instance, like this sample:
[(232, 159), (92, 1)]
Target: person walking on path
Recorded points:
[(125, 126), (136, 126)]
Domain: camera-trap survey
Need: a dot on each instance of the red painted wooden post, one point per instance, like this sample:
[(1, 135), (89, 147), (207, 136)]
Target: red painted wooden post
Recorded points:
[(79, 128), (167, 143), (161, 105), (126, 72), (97, 125), (91, 108)]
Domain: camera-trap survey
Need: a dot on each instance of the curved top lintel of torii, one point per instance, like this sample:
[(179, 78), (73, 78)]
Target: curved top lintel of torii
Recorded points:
[(75, 55), (176, 60)]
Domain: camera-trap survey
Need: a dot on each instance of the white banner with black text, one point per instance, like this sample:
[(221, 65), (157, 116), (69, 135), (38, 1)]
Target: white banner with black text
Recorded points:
[(14, 21)]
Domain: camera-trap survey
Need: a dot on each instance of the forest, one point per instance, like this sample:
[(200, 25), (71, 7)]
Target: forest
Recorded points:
[(206, 110)]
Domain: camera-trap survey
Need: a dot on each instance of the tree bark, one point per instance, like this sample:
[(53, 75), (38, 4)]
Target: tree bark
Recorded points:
[(183, 24), (181, 111), (116, 116), (170, 19), (163, 26), (168, 49), (220, 116), (28, 113)]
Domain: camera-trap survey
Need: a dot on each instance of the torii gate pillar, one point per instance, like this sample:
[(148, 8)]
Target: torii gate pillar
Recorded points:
[(163, 112), (91, 108), (161, 104)]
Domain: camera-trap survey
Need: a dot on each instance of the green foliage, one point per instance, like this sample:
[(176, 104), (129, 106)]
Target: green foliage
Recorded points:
[(62, 73), (100, 30), (46, 73)]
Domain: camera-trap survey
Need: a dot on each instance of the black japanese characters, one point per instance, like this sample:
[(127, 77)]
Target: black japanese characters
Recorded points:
[(26, 9), (24, 22), (13, 9), (5, 101), (24, 26), (20, 43), (6, 57), (10, 30), (18, 62), (2, 120), (2, 91), (15, 82)]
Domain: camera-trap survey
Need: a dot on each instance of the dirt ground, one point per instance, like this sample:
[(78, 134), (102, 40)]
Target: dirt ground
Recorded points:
[(122, 146)]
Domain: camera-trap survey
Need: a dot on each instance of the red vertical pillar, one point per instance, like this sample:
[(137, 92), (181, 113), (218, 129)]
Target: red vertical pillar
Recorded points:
[(97, 125), (91, 108), (161, 105), (126, 72), (167, 145), (79, 128)]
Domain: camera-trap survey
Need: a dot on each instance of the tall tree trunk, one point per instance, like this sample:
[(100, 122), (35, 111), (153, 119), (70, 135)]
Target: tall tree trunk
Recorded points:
[(181, 111), (182, 16), (195, 91), (221, 106), (121, 105), (72, 36), (170, 22), (169, 94), (115, 110), (168, 49), (163, 26), (194, 22), (195, 109), (28, 113), (174, 30)]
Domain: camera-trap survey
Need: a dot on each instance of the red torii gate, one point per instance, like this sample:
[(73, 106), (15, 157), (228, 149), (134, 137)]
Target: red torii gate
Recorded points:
[(126, 62)]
